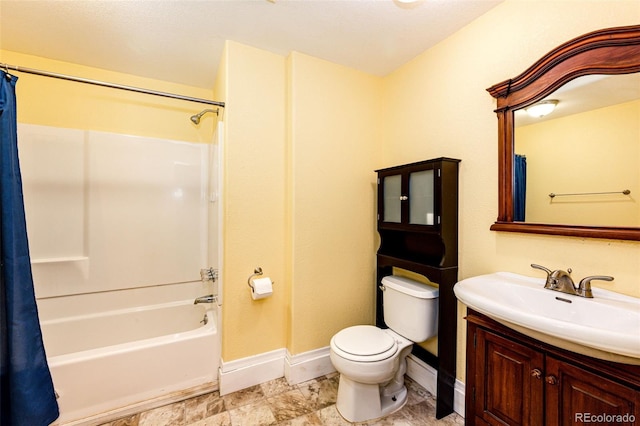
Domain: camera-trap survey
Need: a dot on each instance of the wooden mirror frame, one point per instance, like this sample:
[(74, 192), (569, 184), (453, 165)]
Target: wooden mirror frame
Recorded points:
[(609, 51)]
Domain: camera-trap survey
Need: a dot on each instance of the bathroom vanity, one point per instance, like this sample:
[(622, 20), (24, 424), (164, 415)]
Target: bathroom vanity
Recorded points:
[(418, 227), (513, 379)]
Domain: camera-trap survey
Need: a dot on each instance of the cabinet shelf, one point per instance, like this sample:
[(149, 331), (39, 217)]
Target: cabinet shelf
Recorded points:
[(426, 248), (415, 266)]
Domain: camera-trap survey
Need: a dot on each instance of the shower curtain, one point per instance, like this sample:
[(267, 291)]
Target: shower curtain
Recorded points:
[(27, 396), (519, 187)]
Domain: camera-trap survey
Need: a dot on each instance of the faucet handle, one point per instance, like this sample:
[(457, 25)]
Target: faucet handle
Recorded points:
[(584, 288), (542, 268), (549, 282)]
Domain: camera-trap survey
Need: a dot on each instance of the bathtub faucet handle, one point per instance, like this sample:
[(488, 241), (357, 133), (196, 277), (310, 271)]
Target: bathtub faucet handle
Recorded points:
[(208, 274)]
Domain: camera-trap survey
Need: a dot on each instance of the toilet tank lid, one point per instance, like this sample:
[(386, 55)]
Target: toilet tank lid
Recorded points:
[(410, 287)]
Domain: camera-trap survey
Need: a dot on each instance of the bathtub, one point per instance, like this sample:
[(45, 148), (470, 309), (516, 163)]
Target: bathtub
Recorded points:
[(118, 362)]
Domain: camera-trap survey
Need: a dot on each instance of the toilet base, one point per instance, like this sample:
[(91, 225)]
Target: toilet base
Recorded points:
[(359, 402)]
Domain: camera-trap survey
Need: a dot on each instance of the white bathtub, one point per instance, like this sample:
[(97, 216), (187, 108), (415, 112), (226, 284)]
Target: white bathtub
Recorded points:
[(115, 362)]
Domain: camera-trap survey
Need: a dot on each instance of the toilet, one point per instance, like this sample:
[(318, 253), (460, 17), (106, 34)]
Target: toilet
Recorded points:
[(372, 361)]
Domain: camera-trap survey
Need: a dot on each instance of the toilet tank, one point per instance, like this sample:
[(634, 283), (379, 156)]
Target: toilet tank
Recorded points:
[(410, 308)]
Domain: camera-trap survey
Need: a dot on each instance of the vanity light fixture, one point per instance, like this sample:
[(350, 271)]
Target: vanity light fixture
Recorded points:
[(542, 108)]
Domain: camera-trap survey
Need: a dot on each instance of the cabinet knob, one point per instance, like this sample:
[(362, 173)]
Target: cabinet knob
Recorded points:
[(536, 373), (403, 198), (552, 380)]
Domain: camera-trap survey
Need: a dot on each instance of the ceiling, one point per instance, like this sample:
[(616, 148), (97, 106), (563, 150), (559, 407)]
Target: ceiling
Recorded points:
[(182, 40), (587, 93)]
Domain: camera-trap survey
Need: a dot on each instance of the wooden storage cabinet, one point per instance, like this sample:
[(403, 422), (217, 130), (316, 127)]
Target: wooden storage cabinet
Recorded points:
[(408, 195), (418, 211), (513, 379), (418, 227)]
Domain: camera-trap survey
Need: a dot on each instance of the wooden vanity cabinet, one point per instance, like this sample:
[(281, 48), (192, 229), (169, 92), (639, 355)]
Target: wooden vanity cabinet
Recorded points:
[(513, 379)]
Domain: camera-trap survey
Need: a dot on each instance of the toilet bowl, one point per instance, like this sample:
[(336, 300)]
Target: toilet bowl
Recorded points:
[(371, 373), (372, 361)]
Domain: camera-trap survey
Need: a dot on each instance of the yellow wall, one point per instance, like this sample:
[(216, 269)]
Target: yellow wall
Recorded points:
[(254, 200), (335, 138), (301, 142), (59, 103), (594, 151), (303, 137), (437, 105)]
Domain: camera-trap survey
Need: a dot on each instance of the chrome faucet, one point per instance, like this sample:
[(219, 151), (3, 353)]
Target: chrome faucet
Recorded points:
[(210, 298), (561, 281)]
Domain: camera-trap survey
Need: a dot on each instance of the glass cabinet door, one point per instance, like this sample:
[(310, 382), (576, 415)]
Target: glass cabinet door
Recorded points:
[(421, 199), (392, 187)]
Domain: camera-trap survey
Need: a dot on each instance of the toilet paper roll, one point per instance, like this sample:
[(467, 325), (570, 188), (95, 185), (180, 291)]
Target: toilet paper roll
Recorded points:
[(261, 288), (429, 219)]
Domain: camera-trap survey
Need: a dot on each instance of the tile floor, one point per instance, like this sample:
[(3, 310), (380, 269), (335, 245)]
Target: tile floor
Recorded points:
[(277, 403)]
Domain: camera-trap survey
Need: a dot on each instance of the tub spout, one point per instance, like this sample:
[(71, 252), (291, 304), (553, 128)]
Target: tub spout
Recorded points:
[(210, 298)]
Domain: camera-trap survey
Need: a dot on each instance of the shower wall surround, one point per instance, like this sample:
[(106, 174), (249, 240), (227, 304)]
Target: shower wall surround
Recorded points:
[(108, 211)]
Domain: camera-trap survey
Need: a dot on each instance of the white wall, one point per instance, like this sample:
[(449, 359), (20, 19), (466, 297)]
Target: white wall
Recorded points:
[(108, 212)]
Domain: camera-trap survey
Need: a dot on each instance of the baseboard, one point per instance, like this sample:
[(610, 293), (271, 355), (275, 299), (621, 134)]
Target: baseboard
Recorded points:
[(426, 376), (109, 416), (251, 371), (246, 372), (422, 373), (308, 365)]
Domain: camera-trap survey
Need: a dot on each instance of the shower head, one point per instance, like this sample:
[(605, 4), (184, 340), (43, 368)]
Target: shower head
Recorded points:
[(196, 118)]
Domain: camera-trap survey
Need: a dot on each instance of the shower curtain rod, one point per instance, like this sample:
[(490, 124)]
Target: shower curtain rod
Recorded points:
[(8, 67)]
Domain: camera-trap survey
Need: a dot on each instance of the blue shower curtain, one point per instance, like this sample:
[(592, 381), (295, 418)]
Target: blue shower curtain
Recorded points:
[(27, 396), (519, 187)]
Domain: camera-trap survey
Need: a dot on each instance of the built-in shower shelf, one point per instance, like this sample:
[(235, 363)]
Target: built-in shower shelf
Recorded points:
[(60, 259)]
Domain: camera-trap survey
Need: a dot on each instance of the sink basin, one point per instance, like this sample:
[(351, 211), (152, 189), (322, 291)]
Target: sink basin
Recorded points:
[(609, 322)]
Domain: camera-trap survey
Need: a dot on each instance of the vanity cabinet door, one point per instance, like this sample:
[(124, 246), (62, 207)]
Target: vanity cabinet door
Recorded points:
[(577, 396), (508, 380)]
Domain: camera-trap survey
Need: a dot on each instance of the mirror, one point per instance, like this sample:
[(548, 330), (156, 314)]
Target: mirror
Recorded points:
[(582, 160), (589, 196)]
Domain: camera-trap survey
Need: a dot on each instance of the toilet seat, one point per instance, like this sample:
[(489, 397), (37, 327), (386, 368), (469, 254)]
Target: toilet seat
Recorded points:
[(364, 343)]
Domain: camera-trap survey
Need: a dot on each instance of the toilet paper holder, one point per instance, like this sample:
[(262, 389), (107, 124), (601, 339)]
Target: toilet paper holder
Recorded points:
[(256, 272)]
